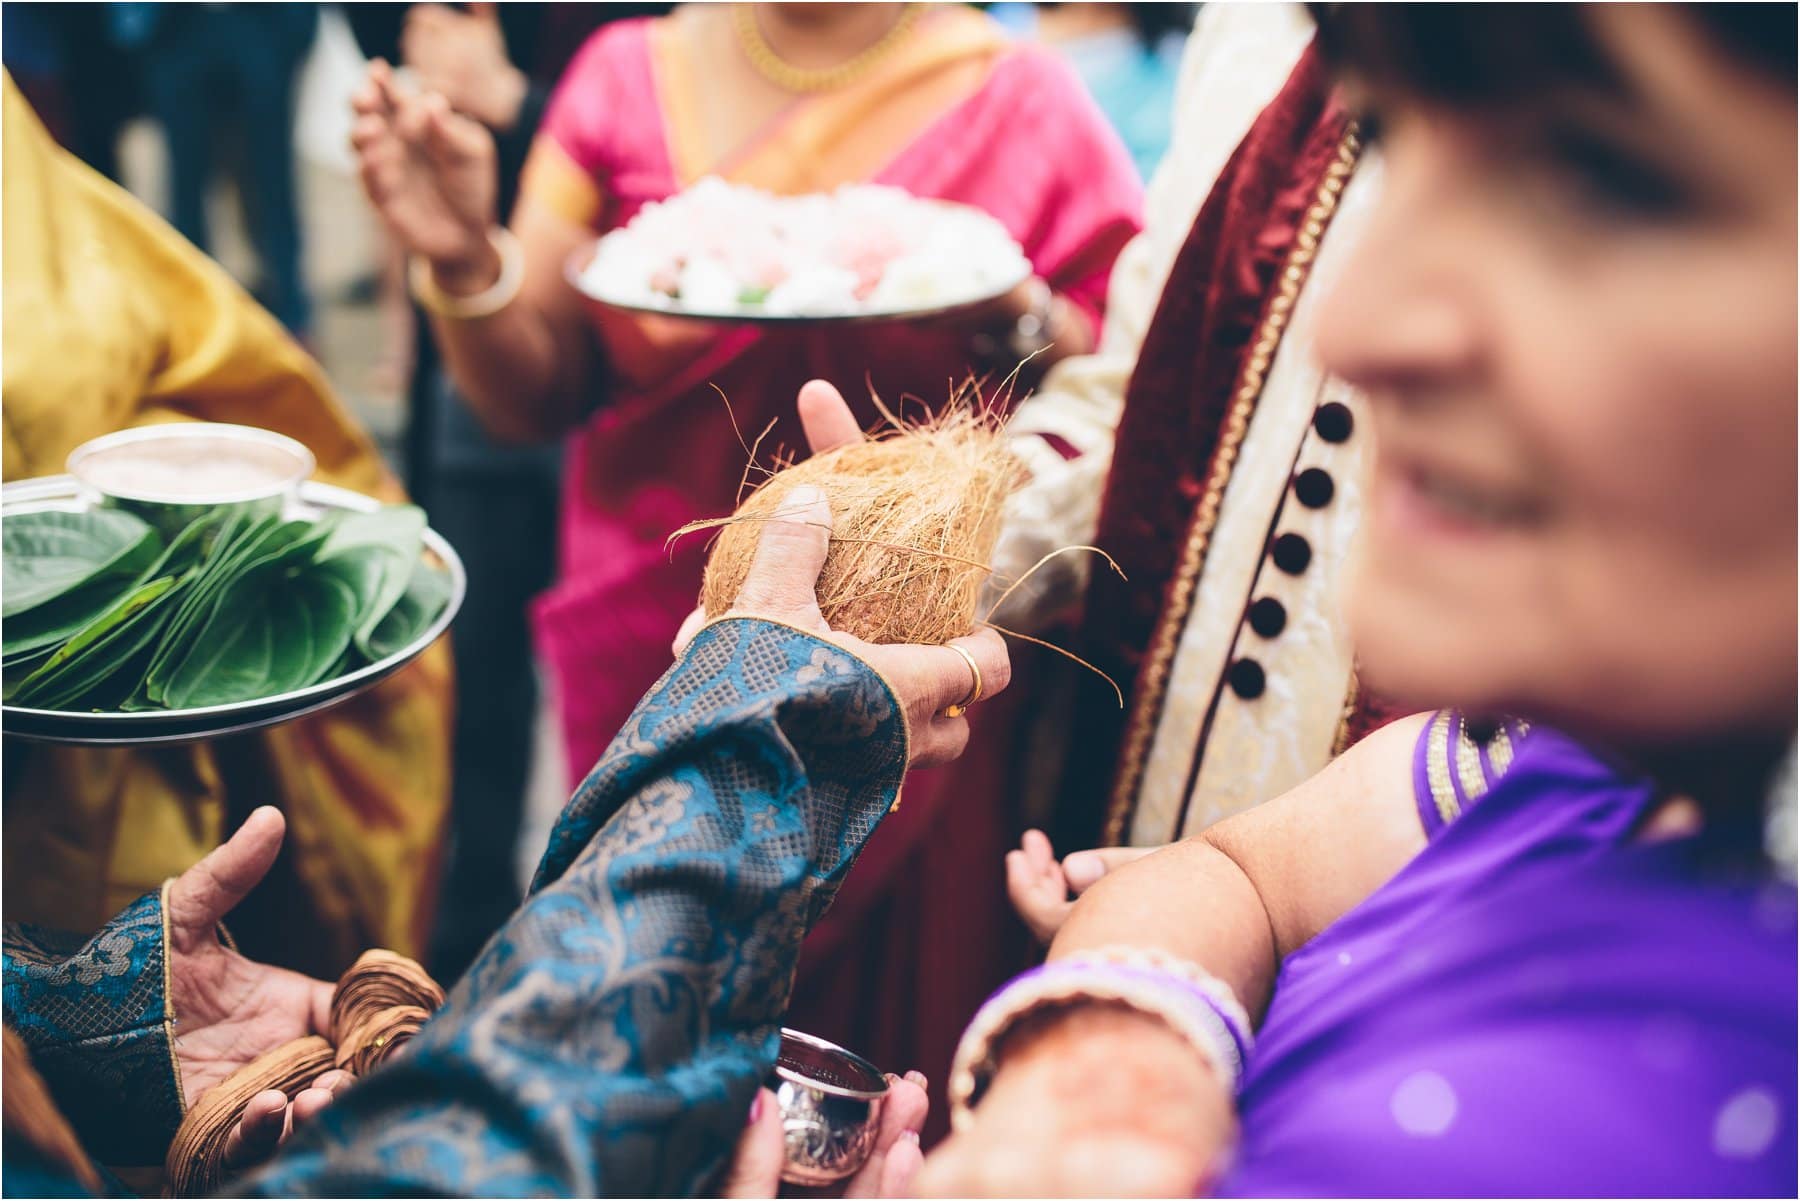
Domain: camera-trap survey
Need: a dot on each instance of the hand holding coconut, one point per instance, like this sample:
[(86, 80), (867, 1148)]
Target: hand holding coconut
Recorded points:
[(929, 681)]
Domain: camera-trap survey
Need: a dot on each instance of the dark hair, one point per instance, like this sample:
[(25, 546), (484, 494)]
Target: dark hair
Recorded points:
[(1153, 22), (1474, 55)]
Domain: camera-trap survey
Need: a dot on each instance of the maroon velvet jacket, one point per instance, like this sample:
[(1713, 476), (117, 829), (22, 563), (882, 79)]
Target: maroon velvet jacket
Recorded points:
[(1174, 438)]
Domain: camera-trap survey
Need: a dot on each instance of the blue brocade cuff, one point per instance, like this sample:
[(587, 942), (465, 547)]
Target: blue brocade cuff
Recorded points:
[(95, 1016), (609, 1039)]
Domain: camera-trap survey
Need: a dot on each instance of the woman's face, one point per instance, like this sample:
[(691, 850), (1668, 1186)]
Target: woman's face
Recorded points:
[(1577, 331)]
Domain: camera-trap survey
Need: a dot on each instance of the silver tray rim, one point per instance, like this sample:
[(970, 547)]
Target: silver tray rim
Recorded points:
[(164, 726), (577, 264)]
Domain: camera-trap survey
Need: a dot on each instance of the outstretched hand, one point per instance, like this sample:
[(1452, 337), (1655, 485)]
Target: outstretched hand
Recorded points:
[(782, 585), (1043, 890), (229, 1009)]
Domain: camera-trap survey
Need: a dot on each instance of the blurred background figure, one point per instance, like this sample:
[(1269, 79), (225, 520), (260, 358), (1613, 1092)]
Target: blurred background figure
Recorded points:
[(1128, 55), (151, 330), (82, 84), (796, 98), (201, 62), (496, 503)]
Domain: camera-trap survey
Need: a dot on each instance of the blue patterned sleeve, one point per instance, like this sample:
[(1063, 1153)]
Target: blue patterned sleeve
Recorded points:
[(95, 1017), (608, 1040)]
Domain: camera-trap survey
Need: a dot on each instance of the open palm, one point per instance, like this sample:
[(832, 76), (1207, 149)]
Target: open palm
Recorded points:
[(229, 1009)]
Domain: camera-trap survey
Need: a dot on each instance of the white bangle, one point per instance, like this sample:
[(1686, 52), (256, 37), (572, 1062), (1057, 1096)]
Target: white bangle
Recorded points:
[(485, 303), (1192, 1002)]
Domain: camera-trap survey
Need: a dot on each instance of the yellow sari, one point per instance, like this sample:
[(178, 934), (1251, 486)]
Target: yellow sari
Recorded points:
[(112, 320)]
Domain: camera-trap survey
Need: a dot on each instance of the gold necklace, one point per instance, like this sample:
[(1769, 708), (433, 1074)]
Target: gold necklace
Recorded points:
[(789, 78)]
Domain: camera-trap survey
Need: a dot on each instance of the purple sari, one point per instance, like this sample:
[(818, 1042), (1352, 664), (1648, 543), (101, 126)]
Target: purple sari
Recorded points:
[(1536, 1005)]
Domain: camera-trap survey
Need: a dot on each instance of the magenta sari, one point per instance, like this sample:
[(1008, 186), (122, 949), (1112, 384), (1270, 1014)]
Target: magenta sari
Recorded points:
[(1027, 145), (959, 114)]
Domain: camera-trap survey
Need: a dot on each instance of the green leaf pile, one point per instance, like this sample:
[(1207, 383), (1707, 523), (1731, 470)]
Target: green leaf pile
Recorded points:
[(100, 615)]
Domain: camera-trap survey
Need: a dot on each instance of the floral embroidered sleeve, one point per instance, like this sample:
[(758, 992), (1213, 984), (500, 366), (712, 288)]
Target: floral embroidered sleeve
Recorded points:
[(95, 1017), (610, 1037)]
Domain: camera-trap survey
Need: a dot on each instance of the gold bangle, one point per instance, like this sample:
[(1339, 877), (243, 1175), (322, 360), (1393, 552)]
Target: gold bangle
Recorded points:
[(485, 303)]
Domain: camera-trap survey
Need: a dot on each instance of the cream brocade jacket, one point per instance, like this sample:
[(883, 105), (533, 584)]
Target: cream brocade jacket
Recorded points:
[(1238, 58)]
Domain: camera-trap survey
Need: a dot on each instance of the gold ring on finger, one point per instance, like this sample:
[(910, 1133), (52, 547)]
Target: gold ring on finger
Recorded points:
[(962, 706)]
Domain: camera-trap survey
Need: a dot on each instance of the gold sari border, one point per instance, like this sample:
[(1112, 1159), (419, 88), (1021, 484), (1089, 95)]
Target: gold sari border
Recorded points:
[(1437, 767), (552, 179)]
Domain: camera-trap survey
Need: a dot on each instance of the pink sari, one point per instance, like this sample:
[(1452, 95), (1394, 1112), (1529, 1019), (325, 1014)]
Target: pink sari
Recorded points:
[(1027, 145), (958, 113)]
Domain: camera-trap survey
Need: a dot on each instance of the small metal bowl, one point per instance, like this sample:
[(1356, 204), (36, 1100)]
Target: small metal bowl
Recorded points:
[(284, 462), (831, 1103)]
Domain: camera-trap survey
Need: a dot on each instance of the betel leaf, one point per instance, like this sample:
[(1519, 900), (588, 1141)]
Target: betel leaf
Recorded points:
[(47, 554), (103, 675), (43, 680), (16, 671), (267, 540), (426, 594), (234, 528), (398, 527), (187, 559), (120, 652), (275, 629), (40, 629), (396, 532), (365, 570), (58, 620), (235, 608)]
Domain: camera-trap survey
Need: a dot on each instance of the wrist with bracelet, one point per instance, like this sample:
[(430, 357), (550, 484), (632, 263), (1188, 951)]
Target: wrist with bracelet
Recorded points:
[(1191, 1002), (1031, 332), (484, 303)]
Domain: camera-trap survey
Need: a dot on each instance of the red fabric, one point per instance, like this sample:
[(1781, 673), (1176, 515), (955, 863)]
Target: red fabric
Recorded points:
[(1177, 400)]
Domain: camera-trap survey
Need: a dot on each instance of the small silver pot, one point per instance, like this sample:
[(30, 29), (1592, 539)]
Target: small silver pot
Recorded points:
[(284, 462), (831, 1103)]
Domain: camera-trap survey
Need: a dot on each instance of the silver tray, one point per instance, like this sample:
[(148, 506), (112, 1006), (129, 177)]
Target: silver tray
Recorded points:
[(192, 725), (749, 315)]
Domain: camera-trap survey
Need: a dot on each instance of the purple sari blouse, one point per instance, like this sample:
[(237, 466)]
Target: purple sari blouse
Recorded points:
[(1535, 1005)]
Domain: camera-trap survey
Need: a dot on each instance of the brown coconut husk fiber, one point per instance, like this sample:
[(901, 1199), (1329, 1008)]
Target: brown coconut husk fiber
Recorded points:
[(915, 513)]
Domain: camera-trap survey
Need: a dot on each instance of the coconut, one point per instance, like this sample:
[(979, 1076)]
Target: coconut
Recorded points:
[(915, 513)]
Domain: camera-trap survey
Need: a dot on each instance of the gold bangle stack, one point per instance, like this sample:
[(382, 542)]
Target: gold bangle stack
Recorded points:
[(789, 78)]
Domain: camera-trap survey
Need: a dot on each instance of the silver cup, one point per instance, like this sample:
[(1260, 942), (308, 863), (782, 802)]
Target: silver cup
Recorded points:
[(831, 1102), (283, 462)]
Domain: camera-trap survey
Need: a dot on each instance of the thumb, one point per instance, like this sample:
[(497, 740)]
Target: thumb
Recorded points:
[(202, 895), (826, 417), (783, 579), (755, 1169), (1084, 869)]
